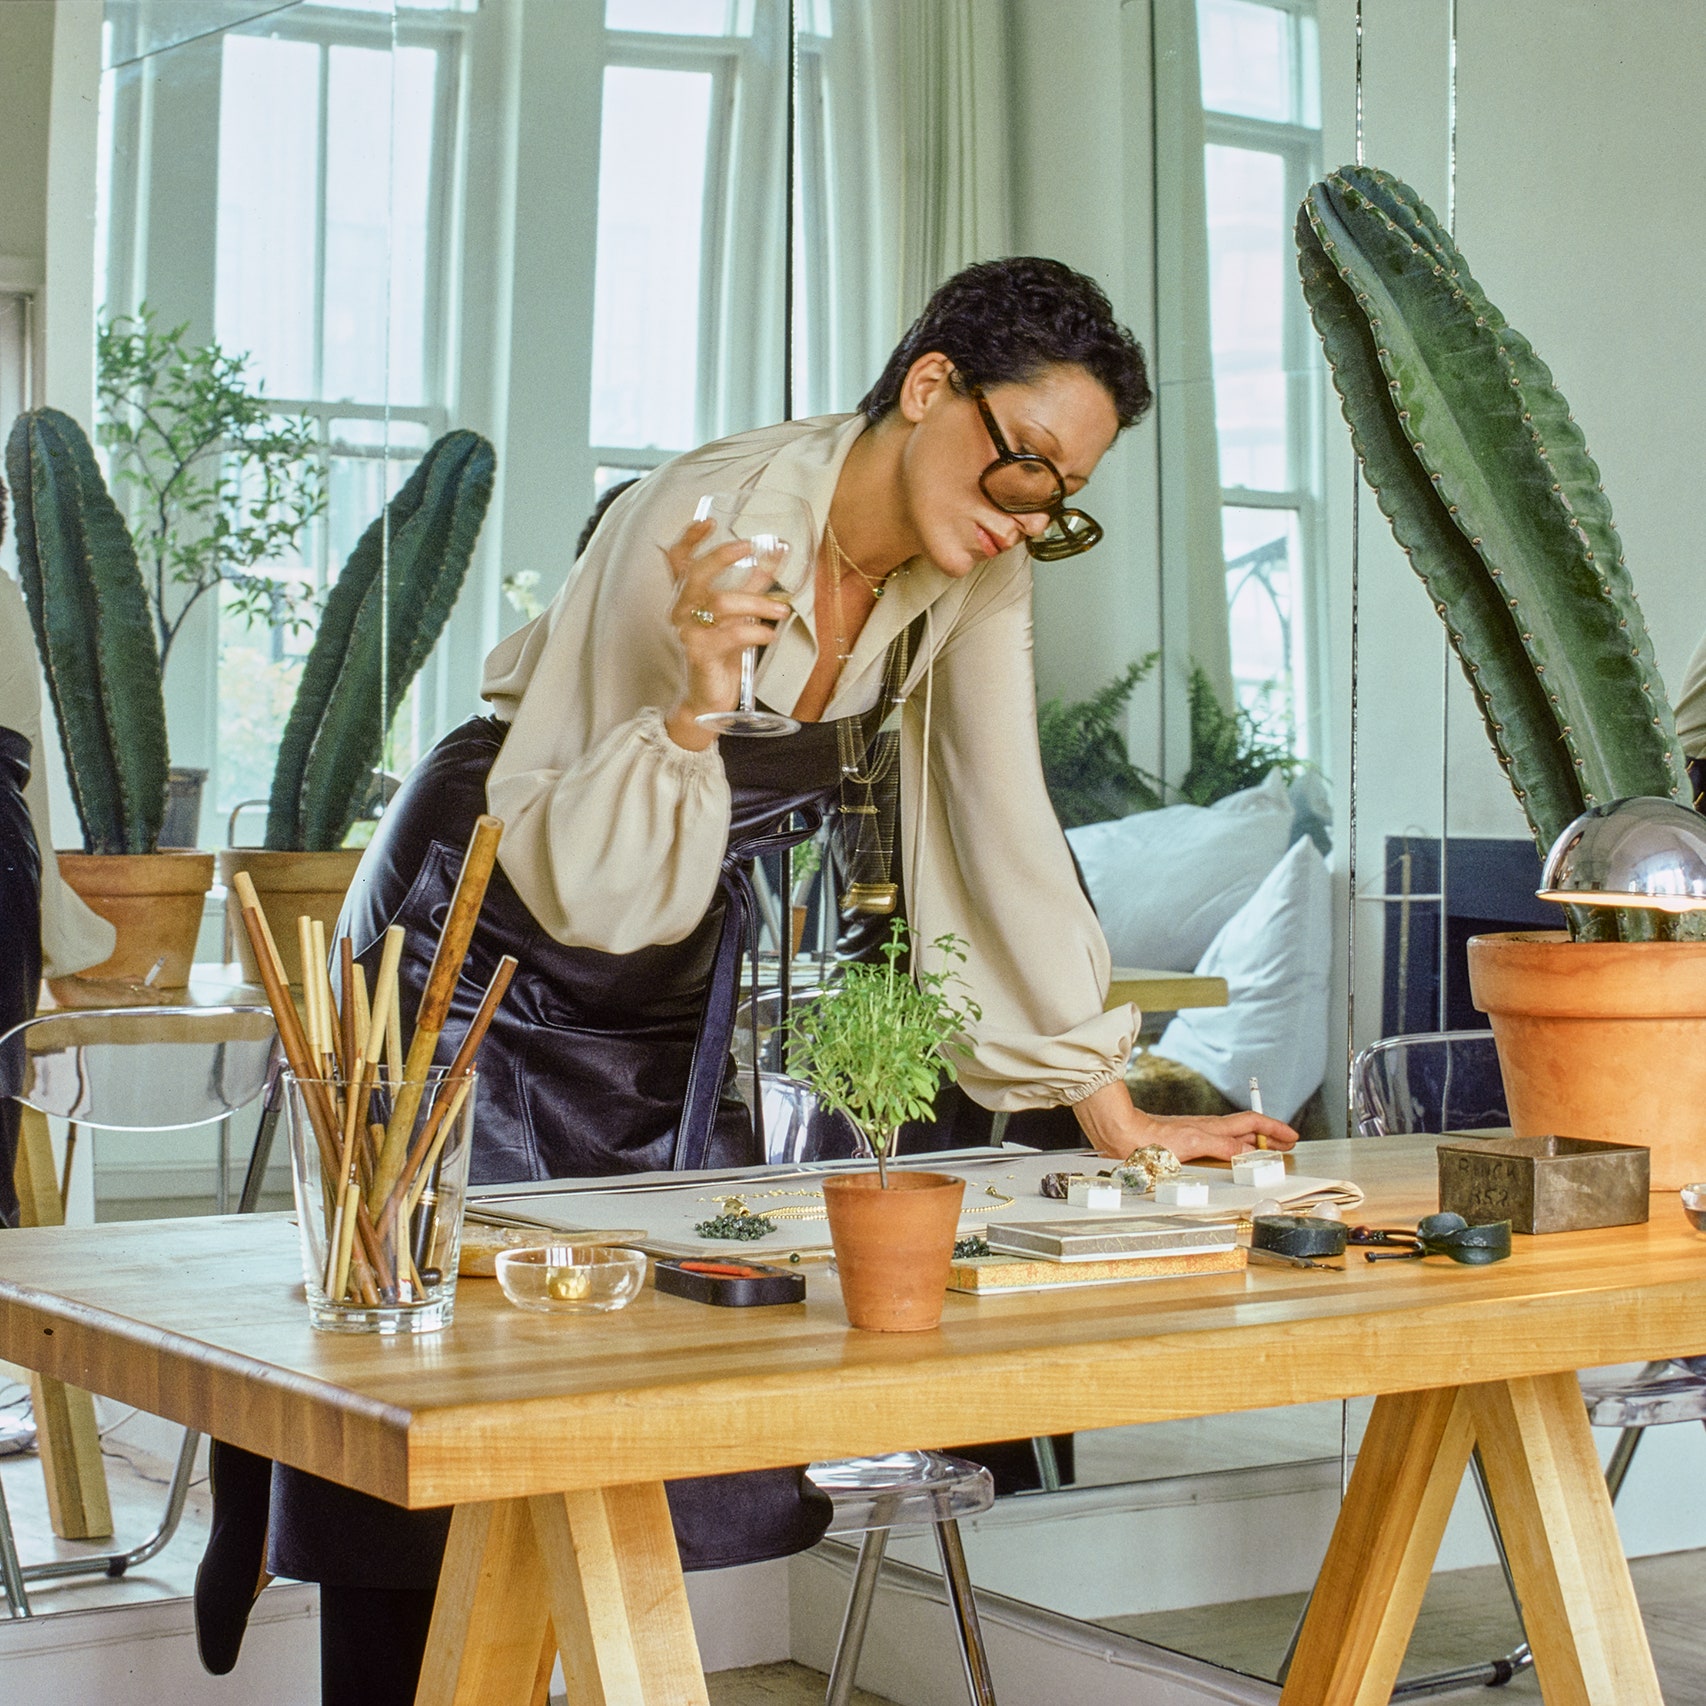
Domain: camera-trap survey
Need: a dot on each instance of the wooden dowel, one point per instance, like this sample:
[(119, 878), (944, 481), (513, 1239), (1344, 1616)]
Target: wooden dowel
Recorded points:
[(394, 1026), (363, 1013), (373, 1247), (331, 1035), (336, 1262), (347, 1033), (384, 1019), (430, 1160), (244, 884), (459, 1067), (441, 983), (291, 1038), (349, 1211), (310, 983)]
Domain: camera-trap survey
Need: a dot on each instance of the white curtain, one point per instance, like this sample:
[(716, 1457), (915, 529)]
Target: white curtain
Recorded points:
[(911, 100), (949, 62), (1192, 553)]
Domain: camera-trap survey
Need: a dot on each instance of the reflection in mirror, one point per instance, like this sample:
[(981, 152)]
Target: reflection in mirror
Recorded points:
[(1162, 150), (559, 226)]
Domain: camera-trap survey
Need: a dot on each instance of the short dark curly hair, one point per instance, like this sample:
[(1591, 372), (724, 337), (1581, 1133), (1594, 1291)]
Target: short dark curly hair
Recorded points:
[(1005, 321)]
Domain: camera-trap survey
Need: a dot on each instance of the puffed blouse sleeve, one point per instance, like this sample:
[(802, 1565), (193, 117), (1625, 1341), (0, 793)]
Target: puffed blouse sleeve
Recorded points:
[(994, 868), (613, 834)]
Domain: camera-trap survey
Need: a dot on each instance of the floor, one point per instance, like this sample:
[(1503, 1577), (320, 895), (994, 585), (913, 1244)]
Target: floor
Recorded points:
[(140, 1452), (1466, 1618), (778, 1685)]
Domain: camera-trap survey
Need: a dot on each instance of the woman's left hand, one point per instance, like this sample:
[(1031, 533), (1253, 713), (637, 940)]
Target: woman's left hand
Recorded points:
[(1115, 1128)]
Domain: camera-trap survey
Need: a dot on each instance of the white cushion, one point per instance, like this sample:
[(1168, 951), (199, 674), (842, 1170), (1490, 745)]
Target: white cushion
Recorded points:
[(1164, 882), (1276, 955)]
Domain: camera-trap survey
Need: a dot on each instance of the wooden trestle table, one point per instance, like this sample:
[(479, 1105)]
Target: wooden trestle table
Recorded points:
[(552, 1436)]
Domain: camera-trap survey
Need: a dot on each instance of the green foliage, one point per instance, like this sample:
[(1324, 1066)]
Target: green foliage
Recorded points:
[(217, 483), (804, 863), (1089, 776), (93, 631), (1228, 750), (1476, 460), (381, 619), (874, 1048)]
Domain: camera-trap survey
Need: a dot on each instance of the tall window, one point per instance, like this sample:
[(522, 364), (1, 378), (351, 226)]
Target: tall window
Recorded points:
[(1262, 129), (686, 324), (336, 148)]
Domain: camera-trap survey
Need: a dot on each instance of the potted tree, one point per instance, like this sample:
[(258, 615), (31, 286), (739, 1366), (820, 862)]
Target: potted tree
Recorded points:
[(381, 618), (98, 650), (218, 486), (875, 1049), (1477, 462)]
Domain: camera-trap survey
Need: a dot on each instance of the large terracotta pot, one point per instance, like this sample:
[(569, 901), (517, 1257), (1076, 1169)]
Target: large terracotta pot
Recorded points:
[(153, 900), (288, 886), (894, 1247), (1601, 1040)]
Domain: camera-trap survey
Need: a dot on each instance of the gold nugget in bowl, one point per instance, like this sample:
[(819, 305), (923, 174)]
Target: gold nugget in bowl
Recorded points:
[(571, 1279)]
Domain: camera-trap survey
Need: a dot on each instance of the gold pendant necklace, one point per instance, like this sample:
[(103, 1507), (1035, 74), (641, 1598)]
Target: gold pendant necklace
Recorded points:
[(737, 1207), (879, 584)]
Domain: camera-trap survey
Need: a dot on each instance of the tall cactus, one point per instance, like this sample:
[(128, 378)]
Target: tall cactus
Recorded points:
[(381, 619), (93, 630), (1477, 462)]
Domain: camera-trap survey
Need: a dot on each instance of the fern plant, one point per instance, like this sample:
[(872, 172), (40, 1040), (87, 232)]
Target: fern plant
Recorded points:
[(1090, 777)]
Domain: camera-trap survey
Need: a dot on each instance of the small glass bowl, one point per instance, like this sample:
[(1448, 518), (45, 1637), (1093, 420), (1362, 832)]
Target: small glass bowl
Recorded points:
[(1694, 1205), (571, 1279)]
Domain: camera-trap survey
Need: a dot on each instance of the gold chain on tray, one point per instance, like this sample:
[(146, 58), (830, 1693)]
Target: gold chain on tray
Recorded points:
[(737, 1205)]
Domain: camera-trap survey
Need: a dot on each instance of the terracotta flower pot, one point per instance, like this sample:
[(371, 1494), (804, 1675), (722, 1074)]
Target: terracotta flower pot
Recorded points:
[(893, 1247), (1601, 1040), (288, 885), (153, 900)]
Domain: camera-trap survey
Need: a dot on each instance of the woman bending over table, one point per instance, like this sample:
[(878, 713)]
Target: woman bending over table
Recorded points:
[(628, 824)]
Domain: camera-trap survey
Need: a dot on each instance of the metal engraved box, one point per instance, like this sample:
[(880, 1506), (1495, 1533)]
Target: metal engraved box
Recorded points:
[(1544, 1184)]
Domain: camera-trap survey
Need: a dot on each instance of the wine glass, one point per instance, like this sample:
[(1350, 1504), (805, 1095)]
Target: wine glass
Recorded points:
[(781, 535)]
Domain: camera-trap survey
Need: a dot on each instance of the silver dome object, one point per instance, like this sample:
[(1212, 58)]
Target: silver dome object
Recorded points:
[(1643, 852)]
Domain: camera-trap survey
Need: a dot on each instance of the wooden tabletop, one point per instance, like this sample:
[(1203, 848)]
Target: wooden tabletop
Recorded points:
[(1164, 991), (203, 1321)]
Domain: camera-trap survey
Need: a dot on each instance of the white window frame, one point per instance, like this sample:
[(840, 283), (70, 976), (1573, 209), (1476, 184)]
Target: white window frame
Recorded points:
[(1299, 148), (740, 291)]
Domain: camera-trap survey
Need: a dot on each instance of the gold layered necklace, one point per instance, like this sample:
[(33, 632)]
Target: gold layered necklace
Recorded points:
[(869, 805), (739, 1207), (879, 584)]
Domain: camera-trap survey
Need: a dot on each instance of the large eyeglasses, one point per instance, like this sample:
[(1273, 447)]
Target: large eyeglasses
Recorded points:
[(1031, 485)]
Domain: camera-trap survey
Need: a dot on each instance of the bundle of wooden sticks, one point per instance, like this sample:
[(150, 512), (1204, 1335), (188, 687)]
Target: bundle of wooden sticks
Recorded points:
[(379, 1125)]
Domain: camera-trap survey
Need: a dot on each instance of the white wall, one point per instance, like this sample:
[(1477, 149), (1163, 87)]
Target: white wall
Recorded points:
[(1081, 71), (1581, 206)]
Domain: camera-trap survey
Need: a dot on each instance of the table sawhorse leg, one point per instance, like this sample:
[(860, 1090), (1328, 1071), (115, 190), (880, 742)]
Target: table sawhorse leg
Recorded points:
[(66, 1435), (592, 1575), (1590, 1648)]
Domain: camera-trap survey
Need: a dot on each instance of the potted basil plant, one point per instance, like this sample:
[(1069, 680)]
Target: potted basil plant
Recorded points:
[(875, 1049)]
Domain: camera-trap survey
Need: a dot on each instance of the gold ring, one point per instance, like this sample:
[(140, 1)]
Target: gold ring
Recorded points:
[(702, 616)]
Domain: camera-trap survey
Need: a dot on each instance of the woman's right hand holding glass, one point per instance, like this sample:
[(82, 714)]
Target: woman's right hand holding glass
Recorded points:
[(715, 624)]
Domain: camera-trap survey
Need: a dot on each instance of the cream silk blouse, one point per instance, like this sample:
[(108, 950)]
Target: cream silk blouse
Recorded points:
[(614, 835)]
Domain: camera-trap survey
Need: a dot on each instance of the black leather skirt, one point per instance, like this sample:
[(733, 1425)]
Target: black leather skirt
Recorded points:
[(595, 1064)]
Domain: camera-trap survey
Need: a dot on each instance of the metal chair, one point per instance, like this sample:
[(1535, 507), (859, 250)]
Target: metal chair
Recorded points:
[(204, 1065), (796, 1129), (1449, 1081), (906, 1489)]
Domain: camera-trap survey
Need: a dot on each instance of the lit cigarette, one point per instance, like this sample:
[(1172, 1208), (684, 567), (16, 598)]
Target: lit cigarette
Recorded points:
[(1257, 1108)]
